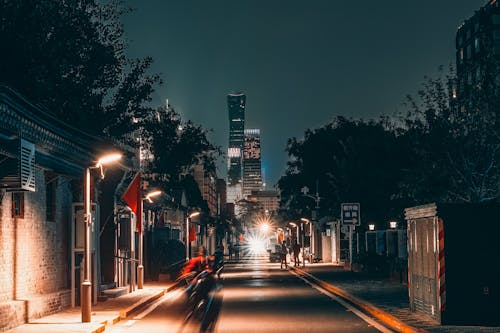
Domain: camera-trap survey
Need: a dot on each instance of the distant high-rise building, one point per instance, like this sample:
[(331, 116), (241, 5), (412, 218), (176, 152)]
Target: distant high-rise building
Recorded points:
[(477, 48), (207, 186), (236, 110), (268, 200), (252, 170)]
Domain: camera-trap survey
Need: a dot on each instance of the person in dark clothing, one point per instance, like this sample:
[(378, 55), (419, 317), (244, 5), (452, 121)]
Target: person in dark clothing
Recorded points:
[(218, 260), (296, 252), (283, 253)]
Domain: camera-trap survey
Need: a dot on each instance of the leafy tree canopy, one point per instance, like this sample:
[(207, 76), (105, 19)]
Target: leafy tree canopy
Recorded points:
[(351, 161), (69, 57)]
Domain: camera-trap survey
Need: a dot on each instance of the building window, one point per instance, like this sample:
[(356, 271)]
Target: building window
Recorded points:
[(461, 55), (50, 197), (496, 19), (469, 51), (18, 204), (476, 44)]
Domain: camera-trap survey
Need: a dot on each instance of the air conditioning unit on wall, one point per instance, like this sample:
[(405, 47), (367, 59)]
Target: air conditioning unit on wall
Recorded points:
[(18, 174)]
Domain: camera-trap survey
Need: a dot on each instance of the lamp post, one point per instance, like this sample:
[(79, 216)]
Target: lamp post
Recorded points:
[(311, 244), (86, 287), (188, 243), (297, 228), (140, 267), (317, 199)]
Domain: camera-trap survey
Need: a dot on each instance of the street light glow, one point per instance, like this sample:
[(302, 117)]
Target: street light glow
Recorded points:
[(108, 159), (152, 194), (264, 227), (193, 214)]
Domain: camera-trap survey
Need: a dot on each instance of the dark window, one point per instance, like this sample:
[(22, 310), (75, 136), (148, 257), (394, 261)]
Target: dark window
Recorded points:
[(18, 204), (50, 197)]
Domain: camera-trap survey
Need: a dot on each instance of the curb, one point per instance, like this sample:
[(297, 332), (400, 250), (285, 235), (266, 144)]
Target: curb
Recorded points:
[(125, 312), (100, 329), (383, 316)]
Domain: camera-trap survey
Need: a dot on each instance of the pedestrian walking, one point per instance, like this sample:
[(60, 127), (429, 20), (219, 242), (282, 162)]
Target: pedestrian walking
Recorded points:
[(283, 254), (296, 252)]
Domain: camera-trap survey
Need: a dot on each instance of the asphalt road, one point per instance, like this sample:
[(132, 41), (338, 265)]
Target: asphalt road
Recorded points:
[(256, 296)]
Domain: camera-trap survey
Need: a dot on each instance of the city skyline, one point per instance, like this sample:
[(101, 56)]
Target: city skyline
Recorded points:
[(299, 65)]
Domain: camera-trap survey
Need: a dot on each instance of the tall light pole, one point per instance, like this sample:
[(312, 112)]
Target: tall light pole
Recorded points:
[(293, 224), (317, 199), (188, 243), (311, 244), (86, 287), (140, 267)]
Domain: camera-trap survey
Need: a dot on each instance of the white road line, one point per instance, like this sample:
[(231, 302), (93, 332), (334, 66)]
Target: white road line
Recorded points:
[(150, 308), (360, 314)]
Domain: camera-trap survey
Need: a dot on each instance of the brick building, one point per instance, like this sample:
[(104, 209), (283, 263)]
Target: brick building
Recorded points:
[(42, 162)]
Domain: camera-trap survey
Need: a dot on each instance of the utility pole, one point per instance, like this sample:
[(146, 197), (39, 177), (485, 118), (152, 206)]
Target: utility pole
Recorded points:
[(316, 197)]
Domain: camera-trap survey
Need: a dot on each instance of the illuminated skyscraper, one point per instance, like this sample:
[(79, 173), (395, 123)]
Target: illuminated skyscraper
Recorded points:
[(236, 108), (252, 171)]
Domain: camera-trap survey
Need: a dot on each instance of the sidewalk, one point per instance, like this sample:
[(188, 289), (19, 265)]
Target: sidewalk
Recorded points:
[(387, 300), (104, 313)]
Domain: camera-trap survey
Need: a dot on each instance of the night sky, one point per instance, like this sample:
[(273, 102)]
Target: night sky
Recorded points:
[(300, 63)]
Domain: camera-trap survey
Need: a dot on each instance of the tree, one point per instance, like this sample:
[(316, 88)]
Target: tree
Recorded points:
[(352, 161), (176, 146), (69, 57), (454, 141)]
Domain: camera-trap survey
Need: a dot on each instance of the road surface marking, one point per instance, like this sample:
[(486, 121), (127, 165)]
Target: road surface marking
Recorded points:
[(360, 314)]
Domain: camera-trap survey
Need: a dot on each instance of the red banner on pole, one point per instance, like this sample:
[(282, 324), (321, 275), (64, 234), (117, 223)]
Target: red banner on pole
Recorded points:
[(192, 232), (133, 198)]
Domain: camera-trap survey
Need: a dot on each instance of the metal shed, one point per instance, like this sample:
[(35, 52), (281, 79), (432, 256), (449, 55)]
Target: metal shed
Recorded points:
[(453, 262)]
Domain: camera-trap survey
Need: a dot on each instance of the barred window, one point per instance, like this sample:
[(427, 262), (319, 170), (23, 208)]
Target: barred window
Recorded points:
[(18, 204)]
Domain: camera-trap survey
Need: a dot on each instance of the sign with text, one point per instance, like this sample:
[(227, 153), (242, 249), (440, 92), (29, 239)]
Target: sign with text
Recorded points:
[(350, 213)]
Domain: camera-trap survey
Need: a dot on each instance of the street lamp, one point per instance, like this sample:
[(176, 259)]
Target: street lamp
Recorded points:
[(371, 227), (317, 198), (311, 244), (264, 227), (188, 243), (86, 287), (293, 224), (140, 267), (393, 224)]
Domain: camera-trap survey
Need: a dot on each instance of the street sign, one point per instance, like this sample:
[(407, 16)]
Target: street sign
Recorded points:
[(350, 213)]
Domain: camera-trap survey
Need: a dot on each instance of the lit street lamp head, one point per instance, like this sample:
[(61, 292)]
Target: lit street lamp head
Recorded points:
[(152, 194), (108, 159), (264, 227), (194, 214)]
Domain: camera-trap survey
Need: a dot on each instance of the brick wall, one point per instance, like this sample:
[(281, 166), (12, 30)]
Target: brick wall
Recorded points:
[(34, 255)]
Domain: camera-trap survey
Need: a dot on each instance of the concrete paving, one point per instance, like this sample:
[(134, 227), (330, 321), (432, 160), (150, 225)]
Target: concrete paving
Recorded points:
[(104, 313), (385, 299)]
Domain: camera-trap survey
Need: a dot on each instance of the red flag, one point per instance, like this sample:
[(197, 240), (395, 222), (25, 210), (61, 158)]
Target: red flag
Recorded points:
[(133, 198), (192, 232)]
